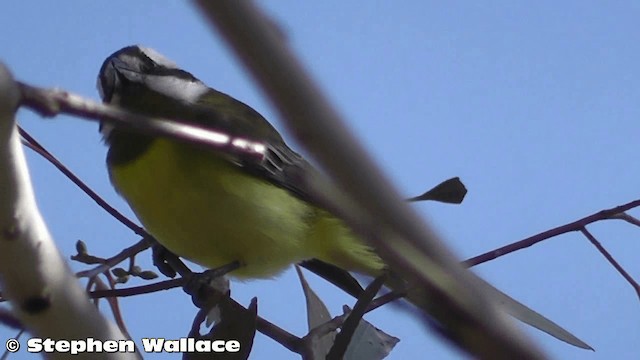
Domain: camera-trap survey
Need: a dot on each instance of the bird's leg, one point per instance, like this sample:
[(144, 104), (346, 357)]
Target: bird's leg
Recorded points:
[(167, 262), (206, 288)]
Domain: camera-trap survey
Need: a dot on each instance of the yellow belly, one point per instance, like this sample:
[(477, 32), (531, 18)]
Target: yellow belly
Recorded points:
[(206, 210), (209, 211)]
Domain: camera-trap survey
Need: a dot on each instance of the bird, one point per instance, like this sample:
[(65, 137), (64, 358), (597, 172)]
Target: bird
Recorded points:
[(241, 203)]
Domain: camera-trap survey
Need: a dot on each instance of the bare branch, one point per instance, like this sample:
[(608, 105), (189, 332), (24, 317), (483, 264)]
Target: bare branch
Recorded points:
[(626, 217), (611, 260), (116, 259), (45, 295), (139, 290), (34, 145), (578, 225)]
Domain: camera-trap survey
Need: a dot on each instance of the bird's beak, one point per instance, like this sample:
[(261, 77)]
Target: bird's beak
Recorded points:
[(115, 72), (107, 81), (110, 79)]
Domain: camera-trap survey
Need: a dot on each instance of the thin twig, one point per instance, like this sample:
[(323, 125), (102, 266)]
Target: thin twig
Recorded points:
[(611, 260), (352, 321), (628, 218), (115, 306), (139, 290), (35, 146), (278, 334), (532, 240), (116, 259)]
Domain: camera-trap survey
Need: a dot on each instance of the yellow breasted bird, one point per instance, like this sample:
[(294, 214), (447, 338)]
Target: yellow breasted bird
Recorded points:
[(215, 208)]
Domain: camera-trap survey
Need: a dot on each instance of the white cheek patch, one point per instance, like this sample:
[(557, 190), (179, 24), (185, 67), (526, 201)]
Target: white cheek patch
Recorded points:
[(177, 88)]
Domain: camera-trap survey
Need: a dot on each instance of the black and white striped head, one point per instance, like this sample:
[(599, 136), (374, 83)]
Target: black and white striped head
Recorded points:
[(145, 66), (134, 70)]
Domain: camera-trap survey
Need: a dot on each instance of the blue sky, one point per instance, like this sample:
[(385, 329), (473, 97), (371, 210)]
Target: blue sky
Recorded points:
[(534, 106)]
